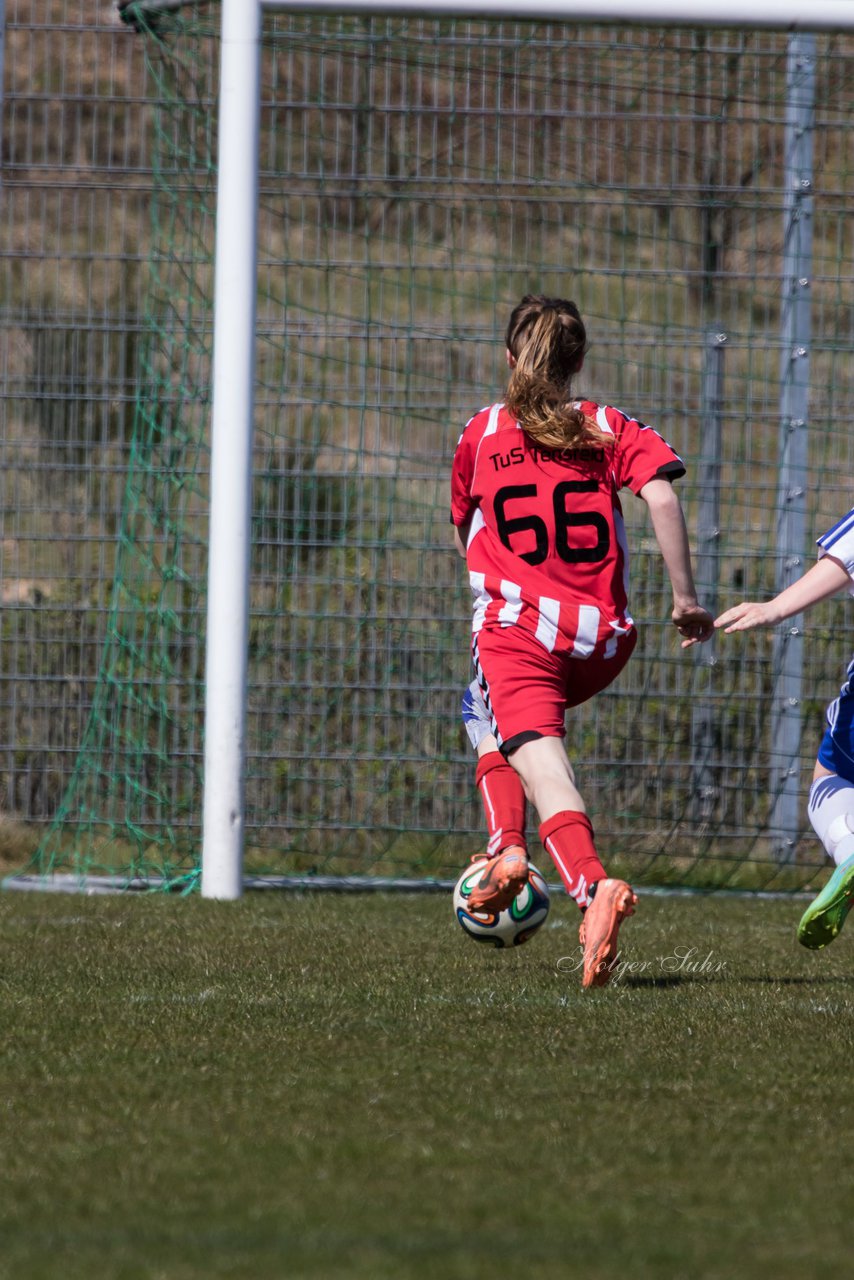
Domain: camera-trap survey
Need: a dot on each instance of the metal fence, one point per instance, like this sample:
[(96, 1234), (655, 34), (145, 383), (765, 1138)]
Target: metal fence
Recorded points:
[(689, 188), (76, 183)]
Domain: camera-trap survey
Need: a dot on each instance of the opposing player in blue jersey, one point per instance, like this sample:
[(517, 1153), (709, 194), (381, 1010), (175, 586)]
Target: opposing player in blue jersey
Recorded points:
[(831, 798)]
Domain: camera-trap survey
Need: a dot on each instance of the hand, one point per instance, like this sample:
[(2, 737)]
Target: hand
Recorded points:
[(748, 614), (693, 622)]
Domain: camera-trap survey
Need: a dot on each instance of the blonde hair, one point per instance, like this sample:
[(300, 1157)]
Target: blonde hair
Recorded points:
[(547, 339)]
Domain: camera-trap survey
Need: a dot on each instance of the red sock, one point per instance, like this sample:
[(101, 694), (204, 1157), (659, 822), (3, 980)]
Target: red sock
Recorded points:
[(568, 839), (503, 799)]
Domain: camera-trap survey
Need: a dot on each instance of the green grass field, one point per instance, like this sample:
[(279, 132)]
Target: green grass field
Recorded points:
[(331, 1086)]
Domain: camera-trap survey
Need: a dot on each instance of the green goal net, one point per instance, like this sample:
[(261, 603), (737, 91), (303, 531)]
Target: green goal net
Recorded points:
[(417, 177)]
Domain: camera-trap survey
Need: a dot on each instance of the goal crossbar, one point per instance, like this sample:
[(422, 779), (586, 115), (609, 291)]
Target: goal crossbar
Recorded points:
[(779, 15)]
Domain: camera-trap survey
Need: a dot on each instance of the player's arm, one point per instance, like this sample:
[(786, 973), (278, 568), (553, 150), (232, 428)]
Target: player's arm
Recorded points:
[(692, 621), (824, 579), (461, 534)]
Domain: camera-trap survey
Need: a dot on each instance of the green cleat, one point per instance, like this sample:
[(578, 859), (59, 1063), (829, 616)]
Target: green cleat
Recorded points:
[(825, 915)]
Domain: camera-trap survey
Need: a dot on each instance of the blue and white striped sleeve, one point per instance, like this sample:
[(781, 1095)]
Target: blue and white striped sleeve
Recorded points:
[(839, 542)]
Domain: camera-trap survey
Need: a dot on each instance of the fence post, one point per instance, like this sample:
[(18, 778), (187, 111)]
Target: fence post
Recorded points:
[(794, 396), (703, 732), (2, 69)]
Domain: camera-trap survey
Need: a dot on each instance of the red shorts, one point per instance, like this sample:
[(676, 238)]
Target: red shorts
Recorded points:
[(527, 689)]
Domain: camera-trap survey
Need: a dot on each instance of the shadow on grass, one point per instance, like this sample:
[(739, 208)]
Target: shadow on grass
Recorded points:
[(800, 980), (649, 980), (706, 979)]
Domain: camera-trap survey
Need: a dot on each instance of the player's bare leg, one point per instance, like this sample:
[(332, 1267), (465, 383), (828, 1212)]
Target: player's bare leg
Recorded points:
[(547, 777), (549, 782)]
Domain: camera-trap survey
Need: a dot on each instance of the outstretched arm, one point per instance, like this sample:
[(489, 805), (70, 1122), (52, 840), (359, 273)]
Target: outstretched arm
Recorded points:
[(824, 579), (692, 621)]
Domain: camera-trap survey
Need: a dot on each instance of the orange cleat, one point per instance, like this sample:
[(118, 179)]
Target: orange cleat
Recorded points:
[(612, 902), (502, 881)]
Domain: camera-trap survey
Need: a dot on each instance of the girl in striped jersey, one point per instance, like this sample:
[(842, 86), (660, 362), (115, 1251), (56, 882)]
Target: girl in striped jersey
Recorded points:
[(535, 505), (831, 798)]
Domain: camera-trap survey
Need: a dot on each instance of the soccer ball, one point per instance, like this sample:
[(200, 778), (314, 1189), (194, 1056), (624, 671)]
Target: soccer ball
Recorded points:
[(510, 927)]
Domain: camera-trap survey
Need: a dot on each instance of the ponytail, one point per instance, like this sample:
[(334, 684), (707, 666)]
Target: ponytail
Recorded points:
[(547, 339)]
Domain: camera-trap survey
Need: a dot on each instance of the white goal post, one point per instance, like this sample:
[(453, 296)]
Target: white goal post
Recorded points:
[(234, 327)]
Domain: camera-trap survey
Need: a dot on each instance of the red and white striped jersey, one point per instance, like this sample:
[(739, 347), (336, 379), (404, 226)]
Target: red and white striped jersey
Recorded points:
[(546, 546)]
